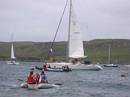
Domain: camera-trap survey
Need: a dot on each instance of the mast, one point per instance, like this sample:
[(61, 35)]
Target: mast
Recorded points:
[(109, 54), (69, 18), (70, 7)]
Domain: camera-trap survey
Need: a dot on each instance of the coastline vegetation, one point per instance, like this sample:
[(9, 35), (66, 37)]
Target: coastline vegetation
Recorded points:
[(95, 50)]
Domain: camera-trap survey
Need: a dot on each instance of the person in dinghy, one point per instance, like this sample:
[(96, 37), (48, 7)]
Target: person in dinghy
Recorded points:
[(44, 66), (31, 77), (37, 81), (43, 77)]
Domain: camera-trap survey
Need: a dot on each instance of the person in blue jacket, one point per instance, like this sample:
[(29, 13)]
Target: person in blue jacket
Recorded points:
[(43, 77)]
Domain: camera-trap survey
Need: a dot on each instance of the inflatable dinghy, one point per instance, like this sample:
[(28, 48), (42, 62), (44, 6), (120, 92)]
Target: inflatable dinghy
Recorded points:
[(38, 86), (63, 69)]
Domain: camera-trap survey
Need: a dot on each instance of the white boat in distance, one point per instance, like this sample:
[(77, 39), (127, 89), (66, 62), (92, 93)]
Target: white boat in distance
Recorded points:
[(110, 65), (75, 46), (79, 66), (12, 57)]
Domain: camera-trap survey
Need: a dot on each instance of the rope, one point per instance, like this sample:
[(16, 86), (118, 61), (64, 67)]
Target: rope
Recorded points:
[(50, 50)]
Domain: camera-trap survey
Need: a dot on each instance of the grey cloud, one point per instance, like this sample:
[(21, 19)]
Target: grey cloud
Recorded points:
[(36, 20)]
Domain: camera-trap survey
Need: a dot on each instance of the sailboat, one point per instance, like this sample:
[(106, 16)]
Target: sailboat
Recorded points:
[(75, 46), (12, 57), (109, 59)]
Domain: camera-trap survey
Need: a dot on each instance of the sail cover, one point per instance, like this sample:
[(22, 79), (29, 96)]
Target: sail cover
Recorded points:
[(75, 39)]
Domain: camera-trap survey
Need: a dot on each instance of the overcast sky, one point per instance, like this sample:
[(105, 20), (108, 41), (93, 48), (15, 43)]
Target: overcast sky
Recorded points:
[(37, 20)]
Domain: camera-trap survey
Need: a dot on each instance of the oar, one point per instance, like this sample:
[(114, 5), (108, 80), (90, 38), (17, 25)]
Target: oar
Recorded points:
[(20, 79), (58, 84)]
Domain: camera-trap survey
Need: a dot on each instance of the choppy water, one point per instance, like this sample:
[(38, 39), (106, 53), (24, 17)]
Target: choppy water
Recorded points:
[(105, 83)]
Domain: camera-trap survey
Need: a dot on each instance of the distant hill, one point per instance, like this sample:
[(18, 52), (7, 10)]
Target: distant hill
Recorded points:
[(95, 50)]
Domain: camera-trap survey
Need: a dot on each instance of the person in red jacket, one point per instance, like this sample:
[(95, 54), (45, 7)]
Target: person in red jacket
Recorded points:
[(30, 78)]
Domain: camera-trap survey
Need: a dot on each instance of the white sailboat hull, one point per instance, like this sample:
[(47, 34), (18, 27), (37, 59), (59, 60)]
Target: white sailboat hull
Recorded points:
[(76, 66), (12, 62)]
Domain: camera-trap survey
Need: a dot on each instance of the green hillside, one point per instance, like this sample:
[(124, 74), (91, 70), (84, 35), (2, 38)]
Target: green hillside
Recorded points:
[(95, 50)]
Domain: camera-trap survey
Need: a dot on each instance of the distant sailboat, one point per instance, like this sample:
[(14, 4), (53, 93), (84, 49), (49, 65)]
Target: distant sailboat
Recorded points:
[(75, 46), (12, 57), (109, 58)]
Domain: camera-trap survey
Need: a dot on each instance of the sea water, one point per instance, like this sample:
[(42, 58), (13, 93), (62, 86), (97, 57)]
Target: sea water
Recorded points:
[(105, 83)]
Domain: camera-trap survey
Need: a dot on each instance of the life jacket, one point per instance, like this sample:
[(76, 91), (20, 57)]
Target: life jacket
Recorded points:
[(30, 79)]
